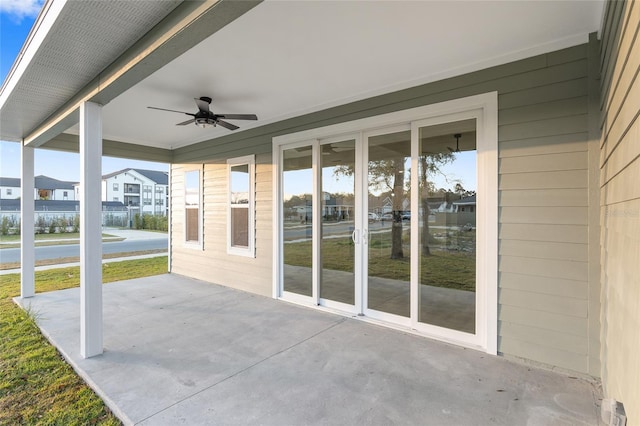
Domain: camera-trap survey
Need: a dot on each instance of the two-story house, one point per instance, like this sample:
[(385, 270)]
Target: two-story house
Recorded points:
[(46, 188)]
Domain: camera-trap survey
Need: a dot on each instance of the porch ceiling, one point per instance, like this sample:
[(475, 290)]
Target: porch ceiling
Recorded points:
[(284, 59)]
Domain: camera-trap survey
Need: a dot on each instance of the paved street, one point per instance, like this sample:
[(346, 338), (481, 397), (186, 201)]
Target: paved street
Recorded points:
[(135, 240)]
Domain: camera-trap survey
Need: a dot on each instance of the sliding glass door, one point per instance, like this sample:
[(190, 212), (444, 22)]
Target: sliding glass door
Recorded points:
[(447, 194), (391, 224), (388, 252)]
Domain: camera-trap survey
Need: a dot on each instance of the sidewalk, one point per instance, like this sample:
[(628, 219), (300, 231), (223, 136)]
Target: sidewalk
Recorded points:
[(66, 265), (133, 234)]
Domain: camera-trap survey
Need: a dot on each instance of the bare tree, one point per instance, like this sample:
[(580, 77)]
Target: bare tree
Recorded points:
[(389, 175), (430, 164)]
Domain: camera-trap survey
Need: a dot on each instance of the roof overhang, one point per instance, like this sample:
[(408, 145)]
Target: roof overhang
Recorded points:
[(275, 59)]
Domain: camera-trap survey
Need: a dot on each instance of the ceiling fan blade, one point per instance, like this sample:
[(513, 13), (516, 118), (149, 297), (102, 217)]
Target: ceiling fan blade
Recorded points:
[(238, 116), (184, 123), (227, 125), (202, 103), (172, 110)]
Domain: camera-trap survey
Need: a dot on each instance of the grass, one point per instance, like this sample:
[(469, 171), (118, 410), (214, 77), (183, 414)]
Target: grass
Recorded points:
[(61, 260), (36, 385), (443, 268)]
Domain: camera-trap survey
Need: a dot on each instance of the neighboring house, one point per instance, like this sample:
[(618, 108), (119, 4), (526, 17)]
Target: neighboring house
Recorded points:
[(143, 191), (543, 95), (46, 188), (465, 204), (9, 188)]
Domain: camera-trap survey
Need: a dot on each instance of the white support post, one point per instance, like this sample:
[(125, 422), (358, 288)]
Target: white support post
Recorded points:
[(90, 229), (27, 213)]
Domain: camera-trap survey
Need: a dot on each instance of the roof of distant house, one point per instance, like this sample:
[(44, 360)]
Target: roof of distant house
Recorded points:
[(161, 178), (11, 182), (41, 182), (466, 201), (46, 182)]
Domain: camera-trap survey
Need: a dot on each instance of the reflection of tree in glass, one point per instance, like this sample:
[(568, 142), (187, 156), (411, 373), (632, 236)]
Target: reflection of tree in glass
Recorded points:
[(389, 176), (430, 164)]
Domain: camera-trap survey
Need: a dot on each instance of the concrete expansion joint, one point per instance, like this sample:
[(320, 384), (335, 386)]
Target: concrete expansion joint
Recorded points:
[(324, 330)]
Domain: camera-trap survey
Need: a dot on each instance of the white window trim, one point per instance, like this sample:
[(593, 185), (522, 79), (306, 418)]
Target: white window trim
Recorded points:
[(251, 162), (485, 108), (194, 244)]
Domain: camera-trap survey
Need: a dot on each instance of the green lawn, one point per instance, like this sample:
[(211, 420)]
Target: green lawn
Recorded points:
[(443, 268), (36, 385)]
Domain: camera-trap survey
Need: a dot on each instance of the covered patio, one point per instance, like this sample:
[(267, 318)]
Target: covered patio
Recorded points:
[(182, 351)]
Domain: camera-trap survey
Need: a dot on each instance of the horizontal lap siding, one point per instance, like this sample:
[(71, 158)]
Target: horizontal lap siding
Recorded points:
[(620, 195), (213, 263), (544, 219), (543, 184)]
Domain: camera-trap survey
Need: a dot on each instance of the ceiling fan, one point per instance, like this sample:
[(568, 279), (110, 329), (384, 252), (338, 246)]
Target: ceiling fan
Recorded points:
[(457, 136), (204, 117)]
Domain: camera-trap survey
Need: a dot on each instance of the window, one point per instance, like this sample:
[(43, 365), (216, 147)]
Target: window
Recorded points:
[(192, 206), (65, 195), (9, 191), (115, 187), (146, 195), (115, 199), (240, 224), (132, 188)]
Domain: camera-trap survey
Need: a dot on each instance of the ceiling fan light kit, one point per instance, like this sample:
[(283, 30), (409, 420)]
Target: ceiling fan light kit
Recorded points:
[(205, 118), (457, 136)]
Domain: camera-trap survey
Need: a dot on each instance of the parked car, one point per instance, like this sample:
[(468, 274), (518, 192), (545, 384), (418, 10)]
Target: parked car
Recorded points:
[(387, 216), (373, 217)]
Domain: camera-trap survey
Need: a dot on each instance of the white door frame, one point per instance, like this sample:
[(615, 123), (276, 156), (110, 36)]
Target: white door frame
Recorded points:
[(484, 108)]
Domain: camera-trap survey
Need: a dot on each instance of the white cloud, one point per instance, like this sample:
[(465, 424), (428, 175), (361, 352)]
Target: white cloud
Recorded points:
[(19, 9)]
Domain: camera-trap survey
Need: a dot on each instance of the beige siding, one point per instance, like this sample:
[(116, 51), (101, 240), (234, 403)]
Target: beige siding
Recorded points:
[(546, 184), (620, 195), (212, 263)]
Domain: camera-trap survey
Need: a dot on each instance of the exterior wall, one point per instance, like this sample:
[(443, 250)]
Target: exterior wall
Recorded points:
[(58, 194), (244, 273), (131, 177), (548, 282), (620, 194), (54, 194), (4, 192)]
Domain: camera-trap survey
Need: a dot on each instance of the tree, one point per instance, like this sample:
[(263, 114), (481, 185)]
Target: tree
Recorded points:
[(430, 164), (389, 175)]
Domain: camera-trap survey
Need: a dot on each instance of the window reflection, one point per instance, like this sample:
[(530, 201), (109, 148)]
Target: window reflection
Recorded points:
[(447, 190), (297, 208)]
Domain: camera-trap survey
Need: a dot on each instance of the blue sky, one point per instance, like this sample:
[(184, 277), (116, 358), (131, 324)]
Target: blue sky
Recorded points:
[(16, 20)]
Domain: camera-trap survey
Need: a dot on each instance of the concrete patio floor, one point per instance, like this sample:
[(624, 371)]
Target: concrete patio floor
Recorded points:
[(181, 351)]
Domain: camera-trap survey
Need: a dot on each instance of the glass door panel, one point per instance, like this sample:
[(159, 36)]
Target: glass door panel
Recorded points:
[(389, 215), (297, 208), (447, 194), (337, 249)]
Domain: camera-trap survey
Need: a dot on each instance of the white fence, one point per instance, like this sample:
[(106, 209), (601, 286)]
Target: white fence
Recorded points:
[(46, 219)]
